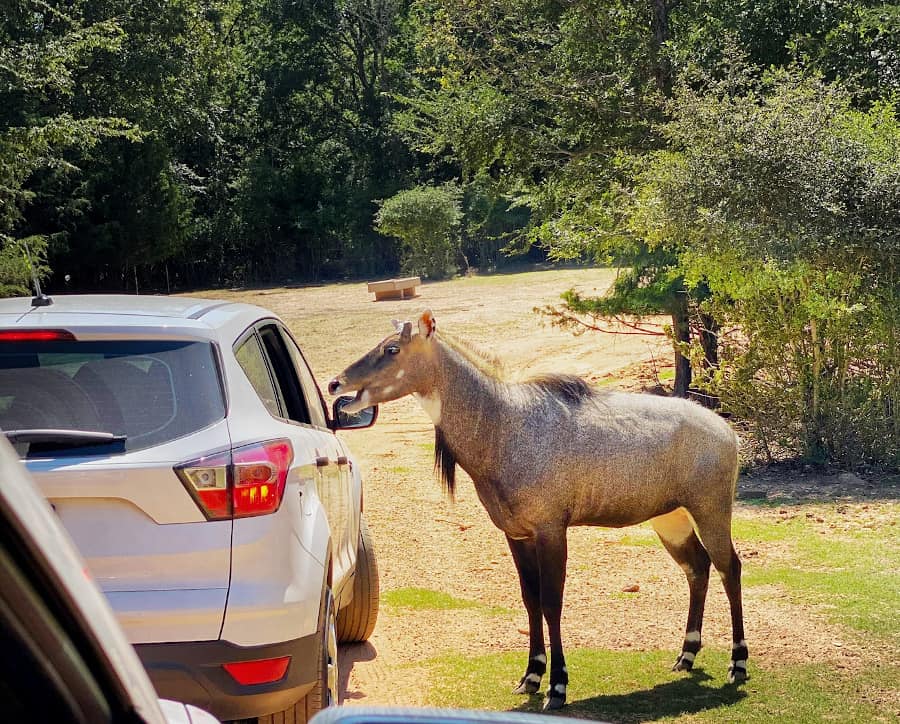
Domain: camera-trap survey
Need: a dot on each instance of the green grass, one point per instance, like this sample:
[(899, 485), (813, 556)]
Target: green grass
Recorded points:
[(757, 530), (854, 577), (400, 470), (638, 686), (424, 599)]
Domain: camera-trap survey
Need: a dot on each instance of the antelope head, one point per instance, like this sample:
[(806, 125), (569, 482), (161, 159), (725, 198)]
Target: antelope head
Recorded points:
[(399, 365)]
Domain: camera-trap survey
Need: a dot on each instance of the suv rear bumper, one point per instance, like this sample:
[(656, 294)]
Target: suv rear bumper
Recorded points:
[(191, 672)]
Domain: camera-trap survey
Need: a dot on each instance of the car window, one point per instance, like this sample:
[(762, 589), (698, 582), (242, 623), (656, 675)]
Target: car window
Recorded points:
[(251, 359), (285, 375), (151, 391), (314, 401)]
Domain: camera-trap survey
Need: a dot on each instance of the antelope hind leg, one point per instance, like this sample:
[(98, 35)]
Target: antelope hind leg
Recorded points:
[(716, 536), (676, 531)]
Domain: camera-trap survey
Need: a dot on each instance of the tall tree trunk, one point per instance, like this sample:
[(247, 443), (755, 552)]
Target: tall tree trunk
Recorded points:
[(709, 341), (682, 330), (659, 25)]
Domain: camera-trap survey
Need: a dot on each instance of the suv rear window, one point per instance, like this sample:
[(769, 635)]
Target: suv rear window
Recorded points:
[(152, 391)]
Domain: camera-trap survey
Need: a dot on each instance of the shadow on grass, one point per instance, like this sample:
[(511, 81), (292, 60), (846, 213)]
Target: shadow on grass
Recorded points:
[(689, 695)]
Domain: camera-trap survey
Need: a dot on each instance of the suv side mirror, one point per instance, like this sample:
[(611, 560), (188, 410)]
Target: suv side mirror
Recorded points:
[(341, 420)]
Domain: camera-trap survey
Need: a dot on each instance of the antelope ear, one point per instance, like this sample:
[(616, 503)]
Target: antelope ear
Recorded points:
[(398, 325), (427, 324), (406, 332)]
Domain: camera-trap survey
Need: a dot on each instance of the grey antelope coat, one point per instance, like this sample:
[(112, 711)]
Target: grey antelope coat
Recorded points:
[(551, 452)]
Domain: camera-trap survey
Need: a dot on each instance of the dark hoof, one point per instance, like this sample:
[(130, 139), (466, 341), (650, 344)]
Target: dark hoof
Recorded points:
[(528, 686), (552, 703), (683, 664), (737, 675)]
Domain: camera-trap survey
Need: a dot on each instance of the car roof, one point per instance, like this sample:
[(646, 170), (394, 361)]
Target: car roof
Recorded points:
[(26, 513), (167, 315)]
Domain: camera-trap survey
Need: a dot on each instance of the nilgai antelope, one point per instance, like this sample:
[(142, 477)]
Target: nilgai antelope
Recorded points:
[(551, 452)]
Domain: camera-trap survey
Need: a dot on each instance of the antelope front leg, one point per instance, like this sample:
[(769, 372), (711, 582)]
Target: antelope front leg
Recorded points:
[(524, 553), (552, 553)]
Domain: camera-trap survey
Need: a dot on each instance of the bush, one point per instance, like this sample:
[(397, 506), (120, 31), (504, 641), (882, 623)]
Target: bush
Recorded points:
[(426, 219)]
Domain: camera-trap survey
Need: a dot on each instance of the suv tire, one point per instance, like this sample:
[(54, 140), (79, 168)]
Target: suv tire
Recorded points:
[(356, 621), (325, 692)]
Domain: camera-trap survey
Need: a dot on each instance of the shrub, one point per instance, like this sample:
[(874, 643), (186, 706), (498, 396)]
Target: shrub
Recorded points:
[(426, 219)]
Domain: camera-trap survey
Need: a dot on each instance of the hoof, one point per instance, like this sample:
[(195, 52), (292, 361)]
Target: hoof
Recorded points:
[(684, 663), (529, 684), (737, 674), (552, 703)]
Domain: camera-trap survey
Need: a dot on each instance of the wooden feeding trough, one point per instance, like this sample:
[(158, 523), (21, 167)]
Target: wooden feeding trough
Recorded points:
[(395, 288)]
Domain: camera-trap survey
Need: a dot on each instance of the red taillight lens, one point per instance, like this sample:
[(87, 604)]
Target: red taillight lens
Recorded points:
[(246, 481), (207, 481), (264, 671), (36, 335), (260, 474)]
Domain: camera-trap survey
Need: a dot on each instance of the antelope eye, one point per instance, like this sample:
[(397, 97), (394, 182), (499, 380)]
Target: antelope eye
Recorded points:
[(392, 348)]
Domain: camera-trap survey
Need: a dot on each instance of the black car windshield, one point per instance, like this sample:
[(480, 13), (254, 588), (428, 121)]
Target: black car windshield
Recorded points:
[(149, 391)]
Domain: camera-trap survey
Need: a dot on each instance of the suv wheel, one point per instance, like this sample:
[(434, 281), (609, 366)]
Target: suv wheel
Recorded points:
[(356, 621), (325, 692)]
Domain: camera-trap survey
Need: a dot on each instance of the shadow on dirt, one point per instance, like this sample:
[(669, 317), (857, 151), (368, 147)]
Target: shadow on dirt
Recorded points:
[(674, 698), (792, 485), (348, 655)]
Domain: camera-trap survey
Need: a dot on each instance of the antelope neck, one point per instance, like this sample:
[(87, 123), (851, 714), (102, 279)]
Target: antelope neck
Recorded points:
[(473, 411)]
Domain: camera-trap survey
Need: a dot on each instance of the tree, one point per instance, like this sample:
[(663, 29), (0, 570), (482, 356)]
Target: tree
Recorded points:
[(548, 99), (42, 50), (560, 101), (786, 200), (427, 220)]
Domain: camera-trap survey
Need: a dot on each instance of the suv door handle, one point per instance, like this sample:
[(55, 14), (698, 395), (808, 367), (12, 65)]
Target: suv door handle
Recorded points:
[(342, 460), (321, 462)]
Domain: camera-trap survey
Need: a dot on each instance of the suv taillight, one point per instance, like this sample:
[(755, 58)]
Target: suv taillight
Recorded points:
[(247, 480)]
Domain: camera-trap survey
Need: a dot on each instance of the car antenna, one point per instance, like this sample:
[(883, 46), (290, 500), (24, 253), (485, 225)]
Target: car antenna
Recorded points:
[(40, 299)]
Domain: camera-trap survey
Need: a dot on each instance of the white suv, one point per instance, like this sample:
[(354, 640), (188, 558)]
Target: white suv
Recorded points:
[(187, 449)]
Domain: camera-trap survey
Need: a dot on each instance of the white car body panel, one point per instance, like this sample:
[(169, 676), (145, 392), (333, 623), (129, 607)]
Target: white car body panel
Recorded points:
[(271, 598), (174, 615), (145, 478), (134, 507)]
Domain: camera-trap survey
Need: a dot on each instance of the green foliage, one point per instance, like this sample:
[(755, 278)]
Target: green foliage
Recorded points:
[(225, 141), (787, 201), (43, 51), (21, 260), (427, 220), (490, 222)]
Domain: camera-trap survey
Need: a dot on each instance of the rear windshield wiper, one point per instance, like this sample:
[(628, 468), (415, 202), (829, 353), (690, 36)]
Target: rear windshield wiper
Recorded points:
[(50, 439)]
